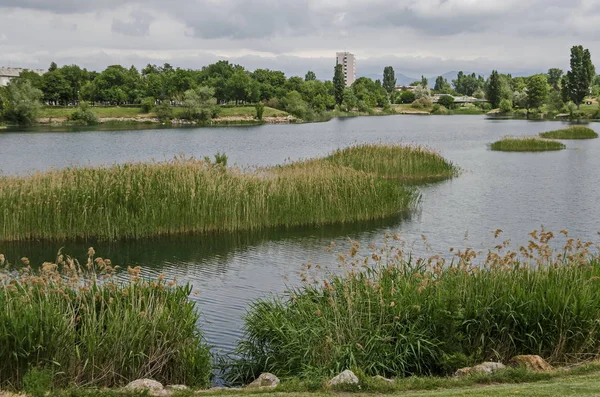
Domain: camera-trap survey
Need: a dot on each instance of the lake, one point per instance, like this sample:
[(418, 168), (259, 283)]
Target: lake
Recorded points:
[(515, 192)]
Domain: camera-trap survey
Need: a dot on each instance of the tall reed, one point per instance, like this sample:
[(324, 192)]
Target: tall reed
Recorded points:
[(526, 144), (392, 315), (92, 329), (188, 195), (573, 132), (412, 163)]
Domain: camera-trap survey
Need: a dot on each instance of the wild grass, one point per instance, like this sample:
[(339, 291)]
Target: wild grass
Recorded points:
[(397, 316), (84, 327), (527, 144), (412, 163), (138, 200), (574, 132)]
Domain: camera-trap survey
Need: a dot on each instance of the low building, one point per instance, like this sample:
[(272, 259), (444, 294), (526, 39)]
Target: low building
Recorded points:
[(405, 88), (458, 99), (7, 74)]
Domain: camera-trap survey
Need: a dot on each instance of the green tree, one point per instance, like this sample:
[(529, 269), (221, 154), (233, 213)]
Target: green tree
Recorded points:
[(442, 86), (389, 79), (577, 82), (446, 101), (310, 76), (467, 84), (407, 97), (505, 106), (537, 90), (198, 104), (260, 109), (494, 89), (21, 102), (424, 82), (555, 77), (350, 101), (338, 84)]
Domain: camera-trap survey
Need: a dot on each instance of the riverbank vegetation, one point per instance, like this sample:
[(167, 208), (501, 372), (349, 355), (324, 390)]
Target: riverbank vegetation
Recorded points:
[(79, 325), (526, 144), (574, 132), (137, 200), (394, 315), (154, 88)]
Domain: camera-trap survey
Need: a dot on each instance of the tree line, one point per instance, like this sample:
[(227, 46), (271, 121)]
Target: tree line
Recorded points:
[(159, 87)]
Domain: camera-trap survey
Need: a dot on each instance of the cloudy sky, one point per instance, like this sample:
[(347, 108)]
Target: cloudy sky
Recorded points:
[(417, 37)]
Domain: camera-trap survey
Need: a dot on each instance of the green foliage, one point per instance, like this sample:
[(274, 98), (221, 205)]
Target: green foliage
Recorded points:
[(310, 76), (295, 105), (555, 77), (83, 114), (537, 91), (148, 104), (447, 101), (350, 102), (439, 109), (578, 80), (555, 102), (398, 316), (338, 84), (220, 159), (21, 102), (389, 79), (164, 111), (527, 144), (574, 132), (198, 104), (422, 103), (407, 97), (494, 89), (467, 84), (260, 110), (95, 329), (186, 196), (37, 382), (505, 106)]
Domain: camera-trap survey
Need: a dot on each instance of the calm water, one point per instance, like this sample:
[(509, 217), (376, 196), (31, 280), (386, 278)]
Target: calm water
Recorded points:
[(515, 192)]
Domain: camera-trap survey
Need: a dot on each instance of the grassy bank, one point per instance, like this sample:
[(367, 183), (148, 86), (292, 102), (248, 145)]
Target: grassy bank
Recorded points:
[(396, 316), (393, 161), (80, 326), (574, 132), (193, 196), (527, 144)]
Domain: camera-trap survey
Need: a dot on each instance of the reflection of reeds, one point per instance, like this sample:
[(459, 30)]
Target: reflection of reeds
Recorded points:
[(188, 195), (394, 315), (91, 329), (573, 132), (526, 144)]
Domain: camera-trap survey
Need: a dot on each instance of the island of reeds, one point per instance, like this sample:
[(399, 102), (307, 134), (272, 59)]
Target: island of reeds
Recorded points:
[(574, 132), (526, 144), (396, 316), (187, 195)]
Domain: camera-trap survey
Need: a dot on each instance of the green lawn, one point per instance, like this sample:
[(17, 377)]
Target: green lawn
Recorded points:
[(240, 111)]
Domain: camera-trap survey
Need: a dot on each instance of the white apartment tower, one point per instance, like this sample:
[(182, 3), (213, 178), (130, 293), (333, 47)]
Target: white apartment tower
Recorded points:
[(348, 61)]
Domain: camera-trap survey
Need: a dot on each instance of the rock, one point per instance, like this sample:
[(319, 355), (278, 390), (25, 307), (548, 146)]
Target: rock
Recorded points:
[(483, 368), (530, 362), (177, 387), (264, 381), (153, 387), (345, 378), (381, 378)]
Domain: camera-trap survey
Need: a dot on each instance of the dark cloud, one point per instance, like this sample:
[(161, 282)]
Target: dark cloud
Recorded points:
[(138, 24), (61, 6)]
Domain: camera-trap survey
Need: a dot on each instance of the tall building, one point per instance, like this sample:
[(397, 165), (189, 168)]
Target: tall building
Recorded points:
[(348, 61)]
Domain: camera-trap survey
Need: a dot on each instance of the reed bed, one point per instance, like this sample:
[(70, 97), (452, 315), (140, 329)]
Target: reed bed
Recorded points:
[(527, 144), (410, 163), (190, 196), (394, 315), (574, 132), (87, 328)]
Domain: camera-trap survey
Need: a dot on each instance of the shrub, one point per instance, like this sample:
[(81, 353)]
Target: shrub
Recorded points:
[(407, 97), (446, 101), (164, 111), (395, 316), (260, 109), (148, 104), (439, 109), (422, 103), (95, 328), (84, 115), (505, 106)]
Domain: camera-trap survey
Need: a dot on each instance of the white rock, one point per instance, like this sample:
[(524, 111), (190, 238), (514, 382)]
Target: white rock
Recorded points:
[(345, 378), (177, 387), (483, 368), (145, 384), (383, 379), (264, 381)]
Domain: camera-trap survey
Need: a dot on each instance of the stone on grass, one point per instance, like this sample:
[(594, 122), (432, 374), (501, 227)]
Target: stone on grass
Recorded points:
[(383, 379), (176, 387), (531, 363), (153, 387), (345, 378), (264, 381), (483, 368)]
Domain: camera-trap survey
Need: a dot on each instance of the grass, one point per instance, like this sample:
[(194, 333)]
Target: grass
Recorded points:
[(527, 144), (574, 132), (138, 200), (411, 163), (397, 316), (133, 112), (79, 325)]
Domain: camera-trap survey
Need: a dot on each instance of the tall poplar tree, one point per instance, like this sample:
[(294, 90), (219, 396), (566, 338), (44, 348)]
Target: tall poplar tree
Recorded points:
[(577, 82), (339, 85), (389, 79)]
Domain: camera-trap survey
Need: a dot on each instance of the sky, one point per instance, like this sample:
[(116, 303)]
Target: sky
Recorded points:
[(416, 37)]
